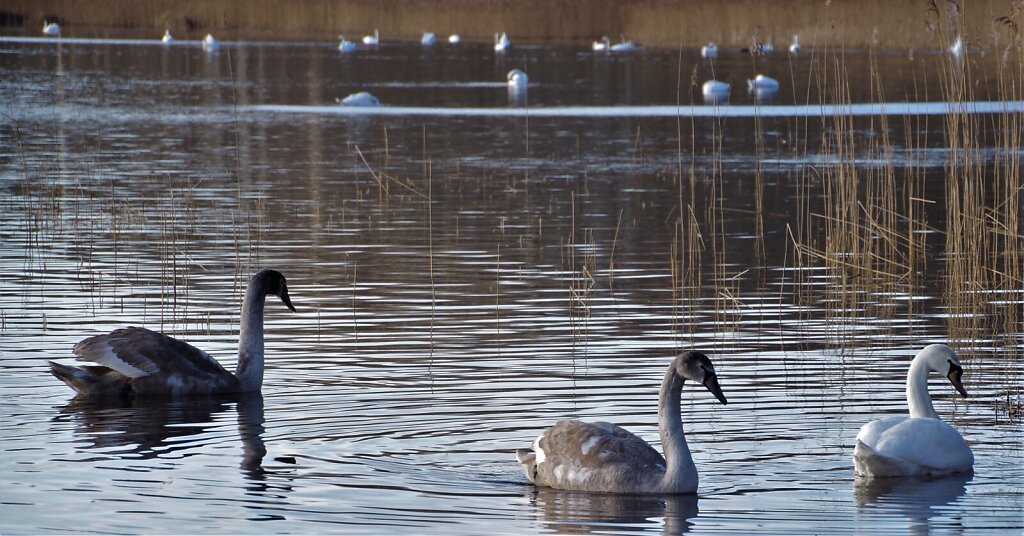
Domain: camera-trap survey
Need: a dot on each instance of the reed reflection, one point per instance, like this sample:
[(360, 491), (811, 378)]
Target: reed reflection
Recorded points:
[(571, 512), (917, 499)]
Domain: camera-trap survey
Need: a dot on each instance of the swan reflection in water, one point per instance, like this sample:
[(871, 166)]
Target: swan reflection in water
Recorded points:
[(580, 512), (916, 498), (151, 428)]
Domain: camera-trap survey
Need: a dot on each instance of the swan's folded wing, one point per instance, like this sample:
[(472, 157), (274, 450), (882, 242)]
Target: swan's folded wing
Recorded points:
[(138, 352)]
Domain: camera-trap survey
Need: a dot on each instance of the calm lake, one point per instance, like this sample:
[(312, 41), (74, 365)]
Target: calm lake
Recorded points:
[(470, 265)]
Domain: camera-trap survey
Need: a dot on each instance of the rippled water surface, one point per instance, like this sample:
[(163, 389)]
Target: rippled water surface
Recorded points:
[(463, 280)]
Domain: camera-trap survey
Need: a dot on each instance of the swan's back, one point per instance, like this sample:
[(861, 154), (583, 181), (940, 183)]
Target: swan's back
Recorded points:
[(906, 446), (596, 456)]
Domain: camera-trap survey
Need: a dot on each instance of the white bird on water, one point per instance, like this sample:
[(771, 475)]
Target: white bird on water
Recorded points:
[(344, 45), (167, 38), (600, 45), (602, 457), (920, 444), (623, 46), (794, 47), (210, 43), (957, 49), (454, 39), (501, 43), (372, 39), (709, 50), (715, 92), (428, 39), (361, 99), (517, 79), (138, 362), (51, 28)]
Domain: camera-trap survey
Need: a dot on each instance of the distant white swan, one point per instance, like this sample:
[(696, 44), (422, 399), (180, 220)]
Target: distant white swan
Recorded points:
[(517, 79), (372, 39), (501, 43), (763, 87), (715, 92), (51, 28), (794, 47), (210, 43), (428, 39), (344, 45), (920, 444), (454, 39), (957, 49), (137, 361), (623, 46), (601, 45), (709, 50), (602, 457), (167, 38), (362, 98)]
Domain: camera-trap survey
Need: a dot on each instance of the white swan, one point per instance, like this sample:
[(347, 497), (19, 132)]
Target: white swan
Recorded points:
[(763, 87), (428, 39), (920, 444), (623, 46), (794, 47), (517, 80), (167, 38), (709, 50), (602, 457), (957, 49), (210, 43), (601, 45), (344, 45), (501, 43), (137, 361), (362, 98), (454, 39), (715, 92), (51, 28), (372, 39)]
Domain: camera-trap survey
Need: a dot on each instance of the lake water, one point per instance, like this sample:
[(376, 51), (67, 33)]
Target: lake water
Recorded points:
[(470, 266)]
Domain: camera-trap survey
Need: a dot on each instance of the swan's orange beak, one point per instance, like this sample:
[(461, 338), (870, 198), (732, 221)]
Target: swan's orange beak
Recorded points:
[(954, 375), (711, 383)]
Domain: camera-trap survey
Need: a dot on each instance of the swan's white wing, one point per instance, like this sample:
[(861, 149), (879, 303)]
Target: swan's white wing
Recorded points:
[(581, 456), (139, 352), (911, 446)]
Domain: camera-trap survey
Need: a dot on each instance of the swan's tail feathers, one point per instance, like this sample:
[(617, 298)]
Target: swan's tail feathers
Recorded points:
[(868, 462), (528, 459), (92, 380)]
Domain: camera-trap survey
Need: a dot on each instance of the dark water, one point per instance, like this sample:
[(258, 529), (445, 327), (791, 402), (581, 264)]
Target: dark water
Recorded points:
[(463, 281)]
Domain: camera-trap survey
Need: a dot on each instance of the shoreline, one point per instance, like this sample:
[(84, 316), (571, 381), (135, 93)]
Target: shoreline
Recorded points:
[(667, 24)]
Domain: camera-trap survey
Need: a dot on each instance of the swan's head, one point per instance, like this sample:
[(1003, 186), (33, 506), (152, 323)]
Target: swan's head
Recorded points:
[(274, 283), (697, 367), (942, 359)]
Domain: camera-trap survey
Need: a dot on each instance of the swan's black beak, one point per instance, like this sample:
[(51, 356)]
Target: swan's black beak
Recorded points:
[(711, 382), (954, 375), (287, 301)]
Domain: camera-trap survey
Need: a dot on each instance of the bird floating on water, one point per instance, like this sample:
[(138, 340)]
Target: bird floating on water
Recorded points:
[(136, 361), (709, 50), (794, 47), (344, 45), (372, 39), (517, 79), (716, 92), (958, 48), (921, 444), (602, 457), (51, 28), (454, 39), (210, 43), (501, 43), (167, 38), (763, 87), (600, 45), (428, 39), (361, 99)]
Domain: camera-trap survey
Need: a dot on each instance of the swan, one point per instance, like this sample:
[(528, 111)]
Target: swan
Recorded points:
[(624, 46), (167, 38), (210, 42), (958, 47), (501, 43), (454, 39), (345, 45), (709, 50), (794, 47), (362, 98), (517, 79), (372, 39), (428, 39), (601, 45), (763, 87), (920, 444), (137, 361), (715, 91), (602, 457), (51, 28)]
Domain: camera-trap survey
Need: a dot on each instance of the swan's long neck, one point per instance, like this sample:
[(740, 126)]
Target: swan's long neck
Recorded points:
[(918, 399), (250, 339), (680, 471)]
